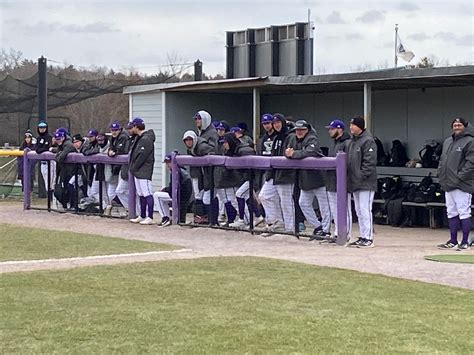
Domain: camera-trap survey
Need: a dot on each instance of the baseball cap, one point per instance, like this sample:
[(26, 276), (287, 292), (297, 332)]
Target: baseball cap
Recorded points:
[(278, 117), (215, 124), (197, 116), (92, 133), (358, 121), (266, 117), (167, 158), (459, 120), (301, 124), (336, 124), (129, 125), (235, 129), (42, 124), (137, 121), (76, 138), (114, 126), (59, 135)]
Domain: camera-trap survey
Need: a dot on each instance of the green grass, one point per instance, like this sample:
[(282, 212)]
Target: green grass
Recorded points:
[(229, 305), (21, 243), (461, 259)]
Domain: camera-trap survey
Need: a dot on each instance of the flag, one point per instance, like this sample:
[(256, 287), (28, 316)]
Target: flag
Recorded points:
[(402, 53)]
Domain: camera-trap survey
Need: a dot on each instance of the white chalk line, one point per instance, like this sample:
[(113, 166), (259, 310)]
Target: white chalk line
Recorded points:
[(93, 257)]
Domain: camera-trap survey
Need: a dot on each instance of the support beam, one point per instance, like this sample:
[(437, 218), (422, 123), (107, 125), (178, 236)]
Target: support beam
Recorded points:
[(368, 106), (42, 90), (256, 114)]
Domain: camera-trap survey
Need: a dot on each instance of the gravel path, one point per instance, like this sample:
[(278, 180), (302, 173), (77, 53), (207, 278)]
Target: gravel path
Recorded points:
[(398, 252)]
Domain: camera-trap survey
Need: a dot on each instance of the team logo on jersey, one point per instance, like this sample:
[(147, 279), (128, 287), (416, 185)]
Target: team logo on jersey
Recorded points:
[(459, 149), (371, 149)]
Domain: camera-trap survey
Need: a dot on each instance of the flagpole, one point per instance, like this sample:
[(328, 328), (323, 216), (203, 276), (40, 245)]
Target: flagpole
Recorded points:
[(396, 44)]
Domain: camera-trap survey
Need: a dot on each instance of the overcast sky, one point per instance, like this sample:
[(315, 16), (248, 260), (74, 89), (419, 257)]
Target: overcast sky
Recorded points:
[(144, 34)]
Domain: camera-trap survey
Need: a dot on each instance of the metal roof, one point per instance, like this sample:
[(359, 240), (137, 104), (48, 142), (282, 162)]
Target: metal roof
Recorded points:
[(389, 79)]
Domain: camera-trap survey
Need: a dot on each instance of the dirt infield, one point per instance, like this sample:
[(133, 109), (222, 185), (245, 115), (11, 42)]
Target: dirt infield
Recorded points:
[(398, 252)]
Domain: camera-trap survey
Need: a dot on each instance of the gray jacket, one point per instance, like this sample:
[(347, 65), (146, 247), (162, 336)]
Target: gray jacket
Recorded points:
[(361, 163), (307, 147), (338, 145), (142, 155), (456, 166)]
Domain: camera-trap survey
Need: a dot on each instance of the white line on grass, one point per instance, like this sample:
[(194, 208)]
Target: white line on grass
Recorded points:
[(94, 257)]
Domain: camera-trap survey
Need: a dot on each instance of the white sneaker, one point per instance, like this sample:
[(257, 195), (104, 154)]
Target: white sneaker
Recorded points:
[(137, 220), (258, 220), (147, 221), (277, 227), (239, 223), (108, 210), (222, 219)]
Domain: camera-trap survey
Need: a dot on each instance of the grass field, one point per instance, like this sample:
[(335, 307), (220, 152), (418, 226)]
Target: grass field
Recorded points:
[(459, 259), (229, 305), (20, 243)]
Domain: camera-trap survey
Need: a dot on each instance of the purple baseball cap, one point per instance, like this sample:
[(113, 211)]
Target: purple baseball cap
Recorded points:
[(235, 129), (336, 124), (92, 133), (137, 121), (115, 126), (129, 125), (59, 135), (266, 117)]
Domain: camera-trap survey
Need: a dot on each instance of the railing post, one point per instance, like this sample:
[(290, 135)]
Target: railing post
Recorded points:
[(341, 194), (175, 187), (26, 181)]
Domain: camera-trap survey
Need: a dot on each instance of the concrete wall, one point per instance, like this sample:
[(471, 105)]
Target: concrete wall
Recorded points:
[(149, 106), (412, 116)]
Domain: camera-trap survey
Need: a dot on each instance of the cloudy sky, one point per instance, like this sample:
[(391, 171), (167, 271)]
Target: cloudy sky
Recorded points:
[(349, 35)]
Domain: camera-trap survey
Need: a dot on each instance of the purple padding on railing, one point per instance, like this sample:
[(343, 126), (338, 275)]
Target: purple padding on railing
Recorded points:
[(249, 162), (80, 158), (207, 160), (306, 163)]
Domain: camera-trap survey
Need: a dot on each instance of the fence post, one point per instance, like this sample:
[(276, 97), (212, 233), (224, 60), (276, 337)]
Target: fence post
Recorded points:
[(132, 197), (341, 188), (26, 181), (175, 187)]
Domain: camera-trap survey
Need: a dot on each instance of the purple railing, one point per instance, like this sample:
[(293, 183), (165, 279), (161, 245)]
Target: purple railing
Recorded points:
[(77, 158), (264, 163)]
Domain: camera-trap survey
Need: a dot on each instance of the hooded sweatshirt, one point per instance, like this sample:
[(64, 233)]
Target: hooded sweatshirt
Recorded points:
[(308, 146), (142, 155), (65, 171), (200, 148), (456, 166), (207, 130), (282, 176), (44, 141)]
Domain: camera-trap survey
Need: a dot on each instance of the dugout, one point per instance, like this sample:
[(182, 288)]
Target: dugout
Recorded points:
[(412, 105)]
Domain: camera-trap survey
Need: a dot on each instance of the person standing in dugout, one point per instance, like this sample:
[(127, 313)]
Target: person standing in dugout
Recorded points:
[(362, 178), (456, 177), (340, 140), (142, 160), (304, 143), (43, 143)]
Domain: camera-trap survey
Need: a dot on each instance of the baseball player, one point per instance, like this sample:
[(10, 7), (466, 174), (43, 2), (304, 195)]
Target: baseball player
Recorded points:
[(142, 160), (456, 177), (43, 143), (340, 141), (304, 143), (198, 146), (164, 197), (362, 178)]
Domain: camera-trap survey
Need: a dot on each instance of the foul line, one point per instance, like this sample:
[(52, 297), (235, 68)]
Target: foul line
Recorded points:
[(94, 257)]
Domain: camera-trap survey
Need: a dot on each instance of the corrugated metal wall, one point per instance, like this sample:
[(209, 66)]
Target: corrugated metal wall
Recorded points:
[(149, 107)]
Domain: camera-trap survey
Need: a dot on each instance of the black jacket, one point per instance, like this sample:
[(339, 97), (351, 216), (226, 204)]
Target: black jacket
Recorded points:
[(338, 145), (361, 163), (120, 145), (185, 186), (456, 166), (43, 142), (65, 171), (142, 156), (282, 176), (308, 146), (200, 148)]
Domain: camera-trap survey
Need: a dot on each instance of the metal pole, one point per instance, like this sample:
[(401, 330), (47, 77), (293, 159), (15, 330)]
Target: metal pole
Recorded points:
[(198, 70), (42, 90), (256, 114), (368, 106), (396, 44), (26, 181), (175, 187), (341, 195)]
